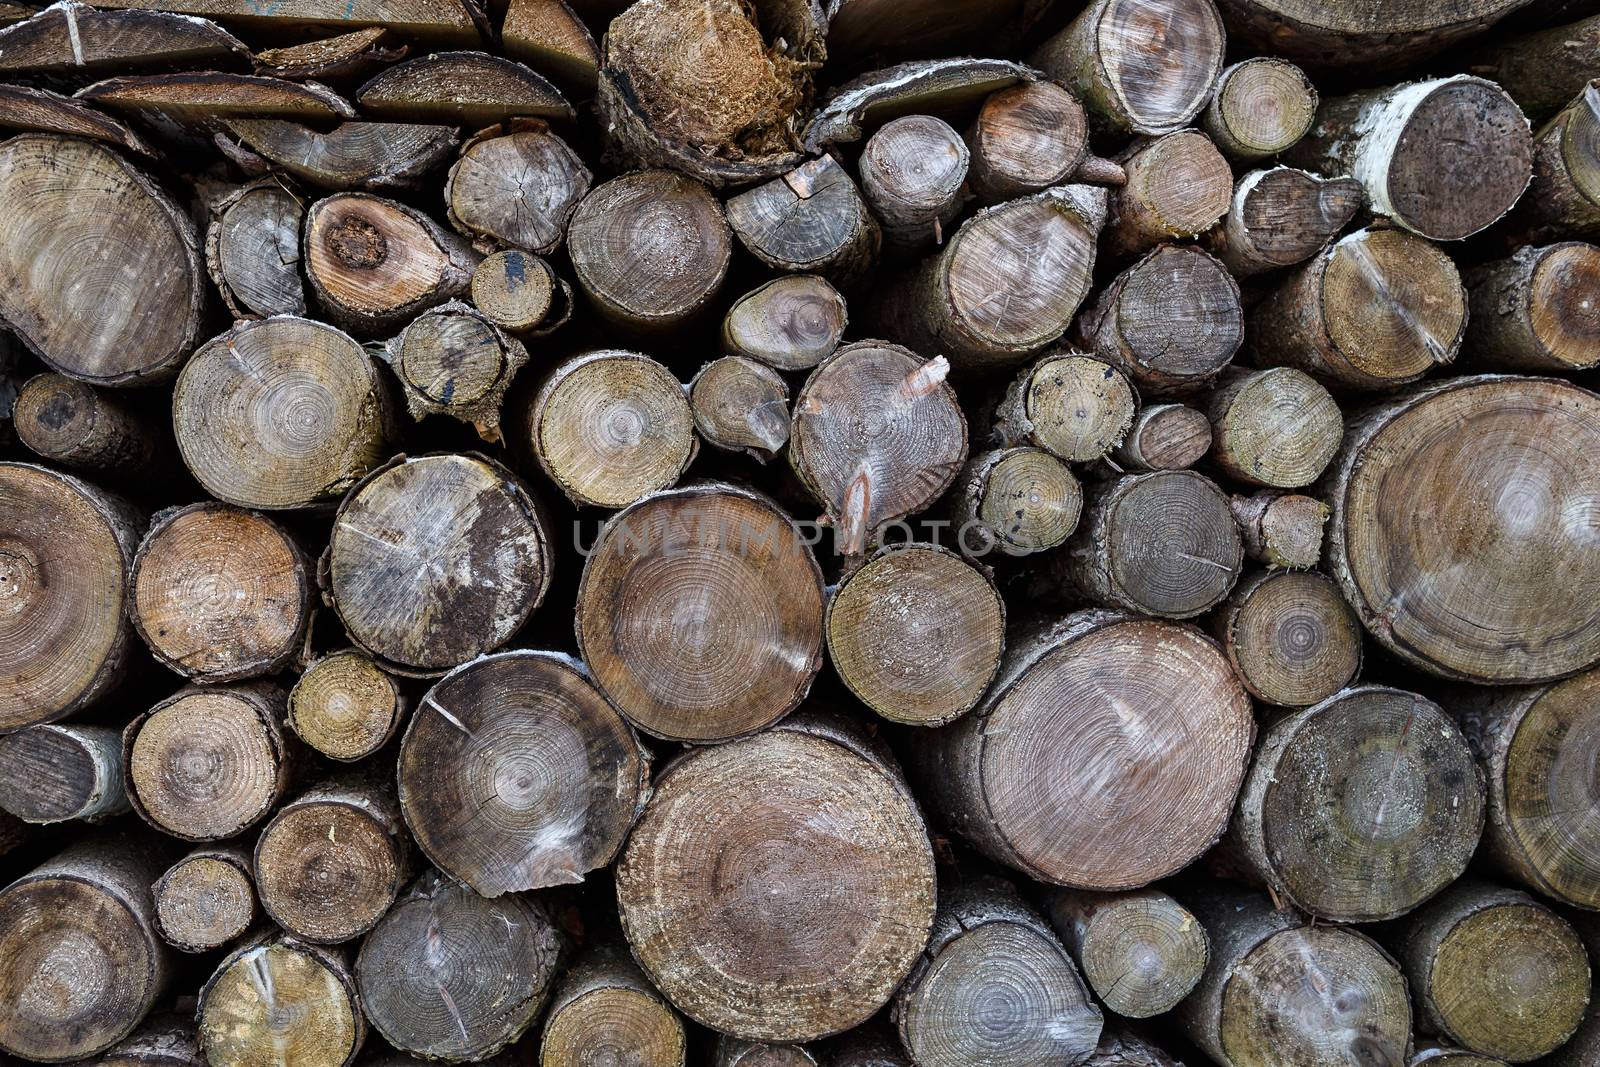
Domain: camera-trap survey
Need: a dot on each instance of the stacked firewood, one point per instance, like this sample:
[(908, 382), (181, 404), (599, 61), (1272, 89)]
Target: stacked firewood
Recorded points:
[(966, 533)]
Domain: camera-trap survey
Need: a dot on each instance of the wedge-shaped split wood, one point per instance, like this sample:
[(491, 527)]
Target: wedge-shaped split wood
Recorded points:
[(70, 38), (473, 89), (353, 155)]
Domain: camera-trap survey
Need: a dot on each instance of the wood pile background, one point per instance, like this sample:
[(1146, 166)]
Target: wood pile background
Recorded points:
[(850, 533)]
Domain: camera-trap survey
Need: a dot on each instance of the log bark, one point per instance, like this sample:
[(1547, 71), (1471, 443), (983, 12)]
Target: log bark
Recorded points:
[(1444, 158), (1327, 34), (549, 36), (435, 560), (754, 607), (84, 965), (790, 323), (1564, 200), (1535, 311), (186, 104), (1006, 285), (1275, 428), (517, 189), (1431, 490), (43, 111), (922, 87), (1067, 789), (1542, 70), (345, 706), (1141, 951), (161, 1041), (736, 1052), (873, 1045), (1376, 309), (1585, 1044), (816, 823), (253, 250), (650, 249), (912, 173), (64, 639), (53, 773), (1178, 186), (1429, 1054), (1120, 1048), (1360, 808), (345, 55), (433, 20), (520, 293), (208, 763), (1170, 322), (604, 1008), (206, 899), (810, 220), (1290, 637), (353, 155), (864, 482), (1281, 529), (740, 405), (1015, 500), (69, 39), (275, 998), (1028, 138), (1281, 217), (453, 361), (1140, 66), (1164, 437), (68, 422), (1262, 107), (471, 89), (1074, 406)]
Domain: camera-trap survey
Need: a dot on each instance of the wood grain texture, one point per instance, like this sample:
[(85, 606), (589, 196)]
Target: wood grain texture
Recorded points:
[(55, 772), (605, 1008), (206, 899), (277, 997), (517, 189), (1141, 951), (1290, 636)]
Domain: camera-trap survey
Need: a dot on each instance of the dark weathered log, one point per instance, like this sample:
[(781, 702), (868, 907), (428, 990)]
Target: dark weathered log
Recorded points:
[(353, 155), (1281, 529), (1170, 322), (453, 361), (606, 1008), (346, 55), (1120, 1048), (76, 425), (609, 427), (516, 189), (868, 27), (1071, 405), (816, 823), (64, 565), (1030, 137), (549, 36), (434, 20), (920, 441), (1376, 309), (1164, 437), (1112, 752), (1281, 217), (520, 293), (70, 38), (1290, 636), (650, 249), (1542, 70), (741, 405), (277, 999), (345, 706), (1429, 1054), (746, 599), (925, 87), (209, 762), (810, 220), (1564, 199), (1017, 500), (1262, 106), (1140, 951), (178, 104), (472, 89), (1177, 186), (51, 773), (206, 899), (253, 249), (83, 963), (161, 1041), (737, 1052), (1327, 33), (872, 1045), (1006, 285), (43, 111), (1140, 66), (912, 173), (1584, 1046), (1536, 311), (1444, 159), (791, 323), (1275, 427)]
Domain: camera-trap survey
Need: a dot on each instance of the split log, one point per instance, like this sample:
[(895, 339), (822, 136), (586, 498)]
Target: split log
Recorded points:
[(472, 89), (281, 413), (605, 1008), (1074, 406), (1536, 311), (1360, 808), (1281, 991), (1443, 159), (161, 1041), (1281, 529), (1281, 217), (353, 155), (253, 250), (1327, 34), (1170, 322), (1164, 437), (78, 426), (1564, 200), (1112, 748), (52, 773), (939, 87), (699, 86), (84, 965), (1006, 285), (208, 763), (276, 999), (733, 566), (609, 427), (517, 189), (790, 323), (1178, 186), (736, 1052), (650, 249), (549, 35), (1141, 952), (1030, 137), (810, 220), (454, 538), (1275, 427), (918, 445), (186, 103), (432, 20), (1163, 543), (520, 293), (374, 263), (43, 111), (994, 986), (453, 361), (916, 633), (816, 823), (1376, 309), (1139, 66), (345, 706), (220, 594), (515, 773), (85, 204), (64, 639), (69, 38), (343, 56), (1290, 637), (1015, 500), (1262, 106), (912, 173), (1443, 495), (741, 406), (206, 899), (1429, 1054)]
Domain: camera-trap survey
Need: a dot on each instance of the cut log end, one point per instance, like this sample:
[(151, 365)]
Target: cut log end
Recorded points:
[(281, 997), (1291, 637), (790, 323), (1262, 107), (1142, 952), (51, 773), (345, 706), (741, 406), (1017, 500), (205, 900)]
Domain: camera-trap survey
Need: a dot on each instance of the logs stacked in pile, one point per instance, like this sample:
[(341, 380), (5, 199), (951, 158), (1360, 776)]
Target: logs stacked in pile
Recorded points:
[(1073, 548)]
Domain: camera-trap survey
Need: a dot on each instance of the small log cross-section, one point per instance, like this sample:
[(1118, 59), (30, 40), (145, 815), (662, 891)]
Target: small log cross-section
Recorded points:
[(344, 55), (737, 1052), (1164, 437), (1290, 636), (912, 172), (1017, 500), (1536, 311), (206, 899), (516, 773), (1141, 951), (51, 773), (1177, 186), (453, 361), (520, 293), (517, 189), (700, 613), (816, 823), (1281, 217), (1262, 106), (790, 323), (606, 1007), (76, 425), (1276, 427), (1074, 406), (740, 405), (810, 220), (1028, 138), (253, 250), (275, 998), (1281, 529), (1565, 197), (345, 706)]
